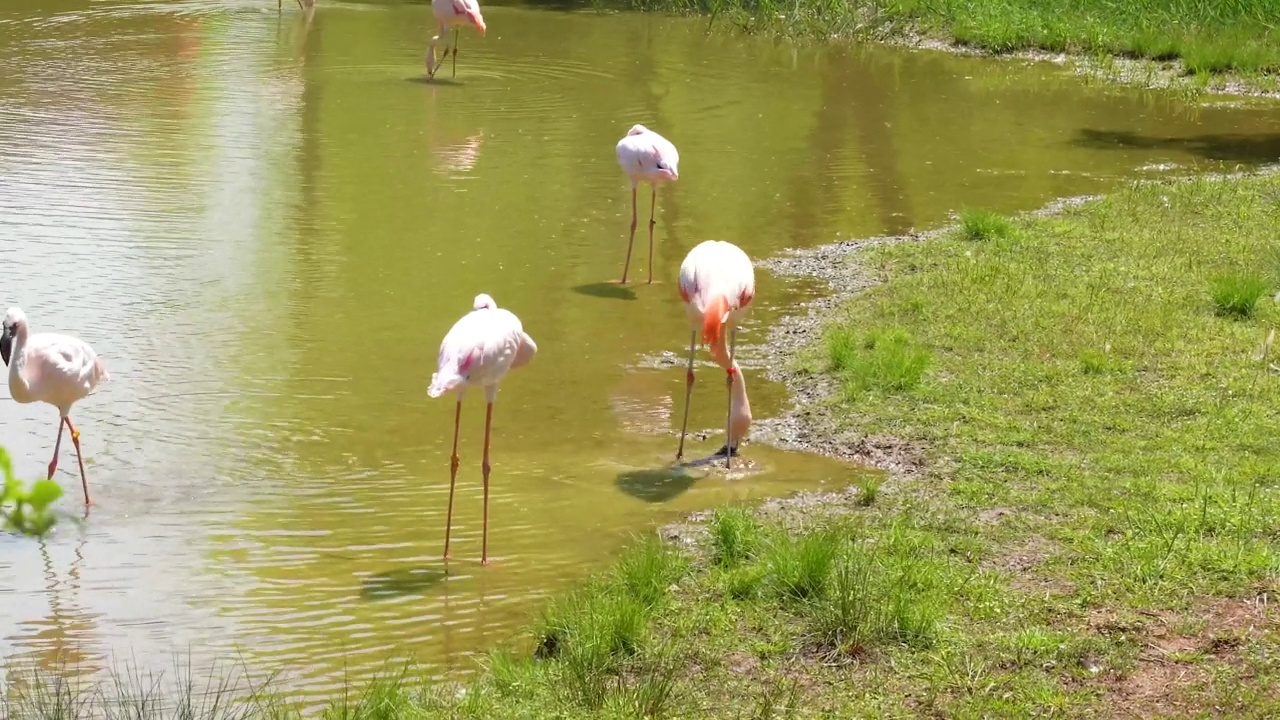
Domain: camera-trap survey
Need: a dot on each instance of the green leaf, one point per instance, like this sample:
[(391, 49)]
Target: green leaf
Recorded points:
[(43, 494)]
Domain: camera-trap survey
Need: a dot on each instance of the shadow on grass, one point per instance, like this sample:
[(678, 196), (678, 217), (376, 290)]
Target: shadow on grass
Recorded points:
[(1251, 149), (399, 583), (610, 290)]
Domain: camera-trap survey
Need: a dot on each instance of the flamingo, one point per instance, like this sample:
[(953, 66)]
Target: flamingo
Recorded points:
[(51, 368), (452, 14), (717, 285), (646, 156), (478, 351)]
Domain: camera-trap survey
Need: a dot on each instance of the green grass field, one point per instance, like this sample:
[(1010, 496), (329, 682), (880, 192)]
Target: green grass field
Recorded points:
[(1208, 36)]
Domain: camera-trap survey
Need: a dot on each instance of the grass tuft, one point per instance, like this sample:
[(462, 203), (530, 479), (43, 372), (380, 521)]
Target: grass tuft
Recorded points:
[(882, 360), (977, 224), (1236, 294), (800, 567), (735, 536)]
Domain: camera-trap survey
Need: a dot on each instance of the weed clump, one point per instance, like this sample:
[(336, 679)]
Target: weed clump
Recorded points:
[(1236, 294), (735, 536), (884, 360), (977, 224)]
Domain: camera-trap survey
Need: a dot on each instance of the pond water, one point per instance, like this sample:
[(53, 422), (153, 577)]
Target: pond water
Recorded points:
[(266, 223)]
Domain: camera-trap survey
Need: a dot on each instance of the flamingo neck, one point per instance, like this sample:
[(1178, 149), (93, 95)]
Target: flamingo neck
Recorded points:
[(739, 407), (18, 386)]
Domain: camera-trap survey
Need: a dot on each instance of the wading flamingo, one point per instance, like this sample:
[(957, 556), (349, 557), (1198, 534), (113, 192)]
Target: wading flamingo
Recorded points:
[(454, 14), (717, 284), (478, 351), (51, 368), (646, 156)]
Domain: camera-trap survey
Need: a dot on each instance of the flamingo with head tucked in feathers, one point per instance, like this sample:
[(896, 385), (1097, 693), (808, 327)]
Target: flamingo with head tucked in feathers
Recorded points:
[(646, 156), (52, 368), (717, 285), (454, 14), (478, 351)]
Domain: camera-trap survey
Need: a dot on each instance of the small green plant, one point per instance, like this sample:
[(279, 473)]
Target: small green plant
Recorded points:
[(744, 583), (977, 224), (1236, 294), (868, 490), (800, 567), (26, 510), (647, 570), (885, 360), (735, 536)]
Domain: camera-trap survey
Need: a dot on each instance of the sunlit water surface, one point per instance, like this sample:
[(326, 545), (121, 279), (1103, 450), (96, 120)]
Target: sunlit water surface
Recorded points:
[(265, 223)]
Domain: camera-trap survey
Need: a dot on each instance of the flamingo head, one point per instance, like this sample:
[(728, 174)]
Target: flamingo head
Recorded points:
[(15, 322), (667, 169), (484, 302)]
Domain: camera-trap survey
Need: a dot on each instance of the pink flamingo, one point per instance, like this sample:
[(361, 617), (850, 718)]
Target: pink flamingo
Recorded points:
[(717, 285), (478, 351), (646, 156), (51, 368), (452, 14)]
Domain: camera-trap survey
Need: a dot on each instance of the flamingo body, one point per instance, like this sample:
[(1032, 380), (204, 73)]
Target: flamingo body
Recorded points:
[(646, 156), (454, 14), (51, 368), (478, 351), (717, 286)]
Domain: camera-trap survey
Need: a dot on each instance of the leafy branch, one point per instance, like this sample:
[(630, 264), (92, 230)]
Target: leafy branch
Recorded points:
[(26, 510)]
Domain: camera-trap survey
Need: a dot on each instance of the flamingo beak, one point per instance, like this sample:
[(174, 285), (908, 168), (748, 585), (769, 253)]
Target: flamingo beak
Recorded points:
[(6, 343)]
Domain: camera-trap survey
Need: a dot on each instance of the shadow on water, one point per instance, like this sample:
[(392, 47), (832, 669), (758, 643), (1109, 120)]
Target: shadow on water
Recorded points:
[(399, 583), (655, 485), (608, 290), (439, 82), (1252, 149)]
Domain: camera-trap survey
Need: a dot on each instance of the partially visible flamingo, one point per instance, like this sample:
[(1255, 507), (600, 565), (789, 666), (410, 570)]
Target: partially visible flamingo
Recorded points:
[(478, 351), (646, 156), (452, 14), (717, 285), (51, 368)]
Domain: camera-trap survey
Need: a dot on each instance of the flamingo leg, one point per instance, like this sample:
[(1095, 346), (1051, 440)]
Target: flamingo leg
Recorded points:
[(432, 67), (728, 424), (688, 393), (453, 72), (453, 477), (484, 542), (57, 445), (632, 238), (653, 202), (75, 440)]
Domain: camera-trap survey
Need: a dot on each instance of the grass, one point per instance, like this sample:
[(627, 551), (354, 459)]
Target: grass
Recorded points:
[(977, 224), (1094, 533), (1240, 36), (1237, 294)]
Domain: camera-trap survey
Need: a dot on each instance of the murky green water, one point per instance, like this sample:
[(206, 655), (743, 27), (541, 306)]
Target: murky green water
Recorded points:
[(266, 224)]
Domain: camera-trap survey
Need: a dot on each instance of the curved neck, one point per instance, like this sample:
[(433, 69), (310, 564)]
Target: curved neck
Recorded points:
[(739, 407), (18, 386)]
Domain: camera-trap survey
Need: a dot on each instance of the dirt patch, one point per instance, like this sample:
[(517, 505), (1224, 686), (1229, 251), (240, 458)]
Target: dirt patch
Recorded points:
[(1180, 652)]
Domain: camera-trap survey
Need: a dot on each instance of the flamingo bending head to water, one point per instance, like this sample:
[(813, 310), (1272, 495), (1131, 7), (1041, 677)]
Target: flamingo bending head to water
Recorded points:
[(717, 285), (51, 368), (478, 351), (646, 156), (454, 14)]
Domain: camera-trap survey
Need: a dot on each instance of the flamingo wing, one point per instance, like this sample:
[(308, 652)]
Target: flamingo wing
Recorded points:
[(62, 364)]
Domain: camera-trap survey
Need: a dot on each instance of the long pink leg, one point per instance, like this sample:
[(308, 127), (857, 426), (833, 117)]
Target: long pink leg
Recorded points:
[(75, 440), (57, 445), (653, 201), (484, 543), (630, 240), (453, 70), (453, 476), (688, 392)]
